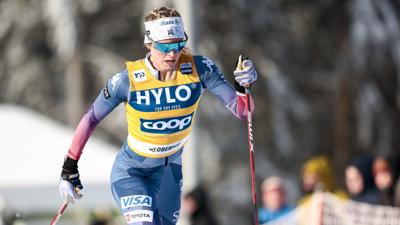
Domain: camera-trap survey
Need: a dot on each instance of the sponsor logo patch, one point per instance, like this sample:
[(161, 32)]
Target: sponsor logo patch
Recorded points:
[(164, 149), (165, 98), (213, 68), (135, 200), (186, 68), (114, 80), (138, 216), (171, 32), (139, 75), (106, 92), (171, 22), (176, 216), (166, 125)]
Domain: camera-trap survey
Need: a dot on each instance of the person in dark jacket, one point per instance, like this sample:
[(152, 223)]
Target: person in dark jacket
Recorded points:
[(360, 182), (196, 203)]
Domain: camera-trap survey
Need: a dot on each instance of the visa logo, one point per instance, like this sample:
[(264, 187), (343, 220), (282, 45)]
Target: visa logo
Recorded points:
[(135, 200)]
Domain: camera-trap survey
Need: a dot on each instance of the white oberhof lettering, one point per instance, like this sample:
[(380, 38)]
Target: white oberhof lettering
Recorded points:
[(157, 95), (168, 95), (178, 95), (146, 97)]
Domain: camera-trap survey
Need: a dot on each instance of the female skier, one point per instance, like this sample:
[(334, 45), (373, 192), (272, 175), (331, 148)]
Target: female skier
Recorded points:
[(161, 93)]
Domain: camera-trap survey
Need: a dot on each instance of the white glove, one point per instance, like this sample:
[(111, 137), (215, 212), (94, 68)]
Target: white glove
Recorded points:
[(245, 72), (68, 192)]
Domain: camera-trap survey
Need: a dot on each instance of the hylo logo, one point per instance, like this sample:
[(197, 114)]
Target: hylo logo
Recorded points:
[(139, 75), (181, 93), (135, 200)]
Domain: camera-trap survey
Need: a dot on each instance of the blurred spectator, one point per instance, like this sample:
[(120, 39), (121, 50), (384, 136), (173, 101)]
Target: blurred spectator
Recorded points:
[(317, 175), (359, 180), (395, 165), (383, 179), (273, 199), (13, 218), (101, 217), (196, 204), (397, 193)]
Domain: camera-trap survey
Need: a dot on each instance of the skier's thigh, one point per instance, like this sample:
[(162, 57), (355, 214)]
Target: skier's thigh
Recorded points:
[(169, 197), (137, 203)]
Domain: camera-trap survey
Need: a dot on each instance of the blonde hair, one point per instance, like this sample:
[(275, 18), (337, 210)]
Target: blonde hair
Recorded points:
[(162, 12)]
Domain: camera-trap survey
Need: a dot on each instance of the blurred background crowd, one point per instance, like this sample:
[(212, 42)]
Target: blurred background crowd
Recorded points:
[(367, 179), (327, 103)]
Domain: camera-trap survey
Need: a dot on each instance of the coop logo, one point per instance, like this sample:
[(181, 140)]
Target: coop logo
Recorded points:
[(138, 216), (139, 75), (166, 125), (173, 97), (135, 200), (186, 68)]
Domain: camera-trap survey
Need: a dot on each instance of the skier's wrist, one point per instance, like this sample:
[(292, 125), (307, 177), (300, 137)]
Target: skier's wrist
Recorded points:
[(70, 166), (239, 88)]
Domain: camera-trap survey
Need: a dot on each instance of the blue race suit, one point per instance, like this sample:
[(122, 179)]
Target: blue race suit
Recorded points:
[(146, 179)]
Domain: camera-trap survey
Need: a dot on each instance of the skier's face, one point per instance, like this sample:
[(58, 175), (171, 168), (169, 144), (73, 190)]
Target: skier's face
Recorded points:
[(165, 61)]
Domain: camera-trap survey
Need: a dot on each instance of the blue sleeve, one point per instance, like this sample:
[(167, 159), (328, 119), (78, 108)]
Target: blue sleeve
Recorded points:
[(213, 80), (114, 92)]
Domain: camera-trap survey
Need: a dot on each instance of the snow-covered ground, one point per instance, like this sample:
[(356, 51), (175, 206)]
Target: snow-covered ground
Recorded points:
[(32, 150)]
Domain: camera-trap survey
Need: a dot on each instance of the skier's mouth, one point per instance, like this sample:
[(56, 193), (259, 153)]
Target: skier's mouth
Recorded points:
[(170, 61)]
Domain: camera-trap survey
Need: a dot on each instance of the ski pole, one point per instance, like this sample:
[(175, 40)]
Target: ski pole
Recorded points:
[(251, 149), (252, 163), (60, 212)]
